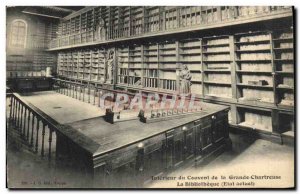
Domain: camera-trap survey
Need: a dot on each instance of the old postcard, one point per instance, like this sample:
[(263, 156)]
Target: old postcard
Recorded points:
[(147, 97)]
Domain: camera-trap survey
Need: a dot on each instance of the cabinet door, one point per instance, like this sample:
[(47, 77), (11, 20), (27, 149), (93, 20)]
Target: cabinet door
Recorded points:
[(169, 150), (178, 149), (218, 131), (220, 127), (119, 177), (189, 143), (100, 175), (153, 164), (206, 138), (198, 140)]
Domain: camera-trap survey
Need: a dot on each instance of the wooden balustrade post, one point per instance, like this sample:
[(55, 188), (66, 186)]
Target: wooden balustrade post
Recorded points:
[(14, 110), (18, 114), (68, 89), (21, 119), (50, 141), (23, 128), (62, 87), (89, 93), (78, 91), (64, 84), (32, 127), (37, 135), (43, 139), (11, 109), (99, 92), (59, 87), (28, 124), (71, 90), (83, 93), (94, 101), (75, 90)]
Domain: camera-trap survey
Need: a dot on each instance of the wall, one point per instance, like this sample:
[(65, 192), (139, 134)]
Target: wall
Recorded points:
[(30, 61)]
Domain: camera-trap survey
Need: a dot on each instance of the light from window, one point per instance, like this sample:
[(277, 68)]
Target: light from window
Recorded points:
[(18, 34)]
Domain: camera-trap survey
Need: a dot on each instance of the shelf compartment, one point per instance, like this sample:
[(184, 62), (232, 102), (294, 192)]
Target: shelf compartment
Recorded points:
[(196, 88), (290, 49), (254, 60), (253, 66), (255, 93), (253, 72), (283, 39), (255, 119), (287, 80), (253, 42), (215, 52), (217, 83), (218, 77), (222, 91), (254, 86), (254, 51), (286, 123), (217, 70)]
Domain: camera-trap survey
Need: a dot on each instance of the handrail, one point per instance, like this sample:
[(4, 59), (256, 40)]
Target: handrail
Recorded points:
[(33, 126), (42, 116)]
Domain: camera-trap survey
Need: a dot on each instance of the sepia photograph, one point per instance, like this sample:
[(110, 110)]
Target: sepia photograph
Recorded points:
[(150, 97)]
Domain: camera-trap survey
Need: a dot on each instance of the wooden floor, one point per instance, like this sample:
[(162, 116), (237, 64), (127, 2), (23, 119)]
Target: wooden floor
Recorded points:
[(249, 156), (257, 156)]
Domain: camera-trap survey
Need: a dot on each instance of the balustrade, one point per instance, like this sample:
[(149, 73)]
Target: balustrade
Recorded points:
[(164, 18), (32, 126)]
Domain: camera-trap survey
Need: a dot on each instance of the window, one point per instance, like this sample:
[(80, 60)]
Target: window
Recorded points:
[(18, 33)]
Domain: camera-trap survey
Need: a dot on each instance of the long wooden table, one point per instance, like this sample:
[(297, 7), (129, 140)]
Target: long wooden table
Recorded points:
[(109, 152)]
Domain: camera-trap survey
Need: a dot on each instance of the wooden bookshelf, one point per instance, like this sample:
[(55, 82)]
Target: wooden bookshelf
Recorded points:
[(190, 54), (152, 19), (133, 21), (253, 72), (217, 66), (253, 52), (123, 65), (167, 52), (150, 66), (283, 47), (135, 65)]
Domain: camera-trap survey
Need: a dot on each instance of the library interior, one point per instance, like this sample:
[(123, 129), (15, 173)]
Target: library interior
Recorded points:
[(97, 94)]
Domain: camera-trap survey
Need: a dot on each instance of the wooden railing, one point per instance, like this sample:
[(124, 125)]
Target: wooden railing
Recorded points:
[(36, 130), (166, 22), (86, 92)]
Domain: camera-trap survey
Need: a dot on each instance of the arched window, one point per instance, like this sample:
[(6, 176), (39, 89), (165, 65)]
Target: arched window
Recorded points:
[(18, 34)]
